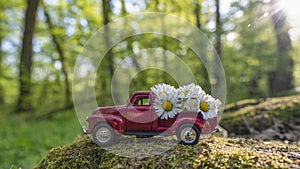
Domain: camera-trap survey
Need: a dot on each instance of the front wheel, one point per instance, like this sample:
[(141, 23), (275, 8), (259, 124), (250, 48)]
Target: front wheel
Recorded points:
[(103, 134), (188, 134)]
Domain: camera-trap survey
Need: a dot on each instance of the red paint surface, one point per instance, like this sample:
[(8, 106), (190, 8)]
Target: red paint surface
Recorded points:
[(139, 116)]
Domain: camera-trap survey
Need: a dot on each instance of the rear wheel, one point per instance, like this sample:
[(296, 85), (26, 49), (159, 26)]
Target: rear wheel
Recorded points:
[(103, 134), (188, 134)]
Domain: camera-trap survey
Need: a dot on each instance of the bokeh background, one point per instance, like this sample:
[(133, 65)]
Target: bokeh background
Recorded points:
[(258, 42)]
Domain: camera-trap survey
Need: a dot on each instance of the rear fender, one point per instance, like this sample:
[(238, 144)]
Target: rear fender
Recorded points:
[(210, 125), (192, 120)]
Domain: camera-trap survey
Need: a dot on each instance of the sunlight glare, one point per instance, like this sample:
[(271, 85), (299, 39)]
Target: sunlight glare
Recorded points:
[(291, 8)]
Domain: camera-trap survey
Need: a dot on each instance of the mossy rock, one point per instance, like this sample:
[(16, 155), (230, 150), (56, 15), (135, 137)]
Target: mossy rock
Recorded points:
[(258, 114), (212, 152)]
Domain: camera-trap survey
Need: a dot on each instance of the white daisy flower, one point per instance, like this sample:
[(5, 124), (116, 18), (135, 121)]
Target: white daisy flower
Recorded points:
[(185, 91), (209, 106), (169, 101), (166, 101), (190, 96), (183, 94), (162, 89)]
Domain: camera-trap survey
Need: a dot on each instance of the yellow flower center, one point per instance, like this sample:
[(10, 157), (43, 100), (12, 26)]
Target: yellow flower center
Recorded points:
[(204, 106), (168, 106)]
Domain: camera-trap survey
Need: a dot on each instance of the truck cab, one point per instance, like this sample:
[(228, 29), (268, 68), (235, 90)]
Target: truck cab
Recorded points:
[(138, 117)]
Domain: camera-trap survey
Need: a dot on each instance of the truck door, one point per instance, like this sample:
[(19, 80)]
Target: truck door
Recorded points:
[(139, 114)]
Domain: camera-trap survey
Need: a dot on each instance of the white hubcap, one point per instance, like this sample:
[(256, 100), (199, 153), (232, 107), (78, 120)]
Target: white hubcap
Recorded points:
[(188, 135), (103, 134)]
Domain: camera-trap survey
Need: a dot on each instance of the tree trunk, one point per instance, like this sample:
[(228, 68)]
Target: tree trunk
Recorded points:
[(218, 45), (164, 46), (61, 56), (110, 63), (164, 40), (129, 42), (281, 79), (218, 29), (105, 12), (25, 101), (197, 14), (1, 85)]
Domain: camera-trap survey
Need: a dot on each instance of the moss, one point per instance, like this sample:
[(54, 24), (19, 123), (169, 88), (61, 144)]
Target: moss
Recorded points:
[(259, 113), (213, 152)]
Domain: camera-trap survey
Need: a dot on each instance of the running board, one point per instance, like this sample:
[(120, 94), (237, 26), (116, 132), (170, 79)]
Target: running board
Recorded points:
[(147, 133)]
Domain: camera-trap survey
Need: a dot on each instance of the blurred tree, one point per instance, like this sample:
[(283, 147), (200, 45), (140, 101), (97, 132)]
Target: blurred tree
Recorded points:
[(62, 57), (281, 79), (198, 13), (130, 41), (25, 92), (106, 71), (296, 54), (218, 31), (2, 19), (218, 44), (164, 41), (248, 53), (248, 40), (1, 85), (106, 11)]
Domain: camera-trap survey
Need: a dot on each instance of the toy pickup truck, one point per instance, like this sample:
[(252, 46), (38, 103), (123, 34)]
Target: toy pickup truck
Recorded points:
[(139, 118)]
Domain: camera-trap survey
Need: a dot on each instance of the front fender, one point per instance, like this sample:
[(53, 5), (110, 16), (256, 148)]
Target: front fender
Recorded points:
[(192, 120), (116, 122)]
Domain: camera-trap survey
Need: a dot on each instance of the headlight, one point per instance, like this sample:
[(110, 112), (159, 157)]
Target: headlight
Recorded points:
[(84, 129)]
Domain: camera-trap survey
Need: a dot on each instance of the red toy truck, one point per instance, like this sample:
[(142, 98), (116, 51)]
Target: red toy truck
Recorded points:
[(139, 118)]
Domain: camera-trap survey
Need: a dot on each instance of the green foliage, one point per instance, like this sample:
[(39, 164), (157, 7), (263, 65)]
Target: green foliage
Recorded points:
[(167, 53), (248, 45), (253, 48), (209, 153), (25, 140), (296, 53)]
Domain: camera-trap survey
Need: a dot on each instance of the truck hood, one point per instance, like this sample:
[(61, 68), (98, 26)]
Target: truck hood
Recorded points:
[(108, 109)]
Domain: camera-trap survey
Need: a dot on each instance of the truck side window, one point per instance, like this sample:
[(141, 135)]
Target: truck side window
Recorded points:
[(142, 101)]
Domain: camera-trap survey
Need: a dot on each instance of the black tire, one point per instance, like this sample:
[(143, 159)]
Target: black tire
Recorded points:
[(188, 134), (103, 134)]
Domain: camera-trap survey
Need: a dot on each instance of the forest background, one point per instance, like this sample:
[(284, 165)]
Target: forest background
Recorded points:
[(257, 41)]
